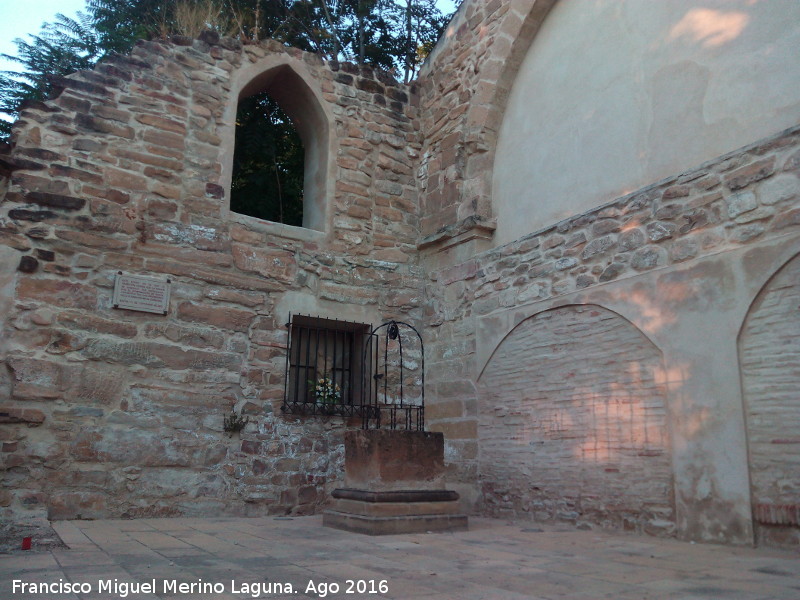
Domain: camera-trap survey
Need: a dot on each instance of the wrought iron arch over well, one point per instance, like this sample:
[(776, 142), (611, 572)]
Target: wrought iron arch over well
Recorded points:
[(396, 401)]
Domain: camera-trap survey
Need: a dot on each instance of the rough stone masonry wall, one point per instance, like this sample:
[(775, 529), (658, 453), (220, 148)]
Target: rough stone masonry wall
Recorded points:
[(744, 196), (464, 87), (117, 413)]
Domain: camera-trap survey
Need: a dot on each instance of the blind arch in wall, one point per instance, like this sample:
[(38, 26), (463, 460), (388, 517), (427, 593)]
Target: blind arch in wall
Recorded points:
[(769, 357), (573, 423)]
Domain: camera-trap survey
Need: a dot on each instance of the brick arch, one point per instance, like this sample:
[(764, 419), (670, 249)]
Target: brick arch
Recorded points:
[(769, 359), (288, 81), (485, 116), (465, 86), (572, 423)]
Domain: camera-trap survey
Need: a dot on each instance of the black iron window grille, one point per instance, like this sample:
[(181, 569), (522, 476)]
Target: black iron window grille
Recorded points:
[(325, 372), (343, 368)]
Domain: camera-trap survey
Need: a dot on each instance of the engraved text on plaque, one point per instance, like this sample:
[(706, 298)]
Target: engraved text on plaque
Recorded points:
[(147, 294)]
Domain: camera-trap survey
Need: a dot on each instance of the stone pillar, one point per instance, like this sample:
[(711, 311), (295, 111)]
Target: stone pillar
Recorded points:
[(394, 483)]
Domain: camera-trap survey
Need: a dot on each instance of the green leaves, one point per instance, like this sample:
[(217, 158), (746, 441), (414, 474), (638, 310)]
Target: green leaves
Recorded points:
[(382, 33), (267, 164), (61, 48), (119, 23), (390, 34)]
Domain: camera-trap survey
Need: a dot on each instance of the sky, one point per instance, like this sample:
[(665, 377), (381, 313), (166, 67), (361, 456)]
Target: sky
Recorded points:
[(18, 19)]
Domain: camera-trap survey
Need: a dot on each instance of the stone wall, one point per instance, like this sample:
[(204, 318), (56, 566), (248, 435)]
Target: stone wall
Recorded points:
[(674, 259), (464, 88), (118, 413), (635, 305), (681, 259), (736, 199)]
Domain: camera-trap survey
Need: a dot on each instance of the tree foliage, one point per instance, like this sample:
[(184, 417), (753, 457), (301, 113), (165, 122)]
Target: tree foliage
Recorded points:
[(394, 35), (268, 163), (61, 48), (390, 34)]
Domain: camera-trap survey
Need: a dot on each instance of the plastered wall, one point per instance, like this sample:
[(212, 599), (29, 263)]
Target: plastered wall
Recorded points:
[(613, 96)]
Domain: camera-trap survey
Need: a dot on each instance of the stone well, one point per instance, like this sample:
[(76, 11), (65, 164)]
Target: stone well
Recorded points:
[(394, 483)]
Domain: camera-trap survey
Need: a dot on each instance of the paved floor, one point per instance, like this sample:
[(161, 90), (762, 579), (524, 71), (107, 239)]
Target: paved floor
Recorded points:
[(228, 559)]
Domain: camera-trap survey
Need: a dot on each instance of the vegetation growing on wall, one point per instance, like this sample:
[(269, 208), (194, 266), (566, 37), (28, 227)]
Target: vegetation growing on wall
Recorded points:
[(394, 35), (268, 166)]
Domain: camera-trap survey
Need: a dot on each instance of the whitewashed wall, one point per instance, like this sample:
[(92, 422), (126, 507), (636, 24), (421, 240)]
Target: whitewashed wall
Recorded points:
[(616, 94)]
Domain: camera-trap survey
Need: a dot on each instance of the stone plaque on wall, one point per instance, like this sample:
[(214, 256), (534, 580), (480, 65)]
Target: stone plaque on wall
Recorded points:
[(146, 294)]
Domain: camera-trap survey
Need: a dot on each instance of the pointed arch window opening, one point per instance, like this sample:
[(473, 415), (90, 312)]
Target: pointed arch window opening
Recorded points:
[(281, 151), (268, 163)]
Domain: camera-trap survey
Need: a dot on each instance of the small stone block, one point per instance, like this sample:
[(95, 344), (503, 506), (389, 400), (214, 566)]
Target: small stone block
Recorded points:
[(28, 264)]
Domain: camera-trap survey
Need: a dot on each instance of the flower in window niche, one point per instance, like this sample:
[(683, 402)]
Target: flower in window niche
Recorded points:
[(326, 391)]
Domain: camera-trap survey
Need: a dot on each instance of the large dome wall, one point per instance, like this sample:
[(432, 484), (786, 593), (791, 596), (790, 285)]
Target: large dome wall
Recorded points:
[(613, 96)]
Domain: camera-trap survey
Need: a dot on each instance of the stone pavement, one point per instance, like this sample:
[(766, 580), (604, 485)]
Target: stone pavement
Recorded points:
[(230, 558)]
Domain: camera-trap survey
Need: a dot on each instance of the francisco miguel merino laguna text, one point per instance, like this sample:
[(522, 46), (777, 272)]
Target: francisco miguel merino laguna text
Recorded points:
[(122, 589)]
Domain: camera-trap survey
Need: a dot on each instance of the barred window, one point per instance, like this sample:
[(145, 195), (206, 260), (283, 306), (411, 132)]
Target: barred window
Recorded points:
[(326, 366)]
